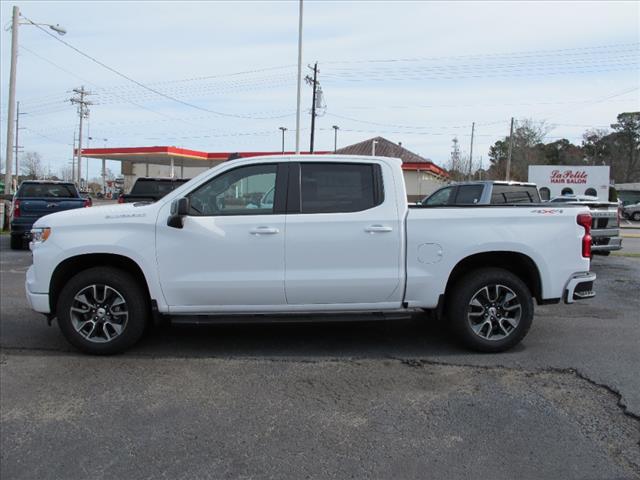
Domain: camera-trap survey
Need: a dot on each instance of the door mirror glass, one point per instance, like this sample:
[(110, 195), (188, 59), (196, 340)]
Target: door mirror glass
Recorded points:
[(180, 206), (179, 210)]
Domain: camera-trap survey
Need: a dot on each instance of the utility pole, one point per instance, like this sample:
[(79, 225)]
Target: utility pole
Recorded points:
[(314, 83), (73, 157), (473, 126), (11, 108), (335, 138), (282, 129), (373, 148), (83, 112), (299, 91), (17, 146), (508, 172), (12, 98)]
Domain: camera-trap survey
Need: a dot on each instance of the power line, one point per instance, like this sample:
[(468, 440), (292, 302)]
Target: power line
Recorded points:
[(516, 54), (140, 84)]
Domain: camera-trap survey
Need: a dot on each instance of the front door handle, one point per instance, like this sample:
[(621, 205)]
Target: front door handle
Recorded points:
[(264, 231), (378, 229)]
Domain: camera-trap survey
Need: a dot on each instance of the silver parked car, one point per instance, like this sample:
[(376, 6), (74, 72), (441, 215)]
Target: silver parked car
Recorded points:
[(632, 212)]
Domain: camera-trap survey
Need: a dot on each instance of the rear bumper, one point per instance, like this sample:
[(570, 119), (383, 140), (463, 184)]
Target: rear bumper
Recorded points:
[(580, 287), (610, 244), (22, 229)]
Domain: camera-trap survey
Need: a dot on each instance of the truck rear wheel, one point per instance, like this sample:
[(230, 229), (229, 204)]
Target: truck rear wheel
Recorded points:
[(102, 311), (490, 310)]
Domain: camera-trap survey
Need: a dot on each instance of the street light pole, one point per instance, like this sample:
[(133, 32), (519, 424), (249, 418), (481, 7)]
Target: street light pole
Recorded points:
[(283, 129), (299, 80), (335, 138)]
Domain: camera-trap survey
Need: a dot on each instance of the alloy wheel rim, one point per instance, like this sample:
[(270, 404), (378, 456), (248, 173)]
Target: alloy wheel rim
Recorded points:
[(494, 312), (99, 313)]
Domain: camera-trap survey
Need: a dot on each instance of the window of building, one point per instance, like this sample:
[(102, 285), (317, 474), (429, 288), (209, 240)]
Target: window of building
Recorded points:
[(241, 191), (591, 191), (339, 187), (545, 193), (566, 191)]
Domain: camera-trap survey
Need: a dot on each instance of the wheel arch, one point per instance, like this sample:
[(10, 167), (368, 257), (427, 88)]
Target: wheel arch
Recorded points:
[(76, 264), (517, 263)]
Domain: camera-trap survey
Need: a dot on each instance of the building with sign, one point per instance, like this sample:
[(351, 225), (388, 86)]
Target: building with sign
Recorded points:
[(556, 180)]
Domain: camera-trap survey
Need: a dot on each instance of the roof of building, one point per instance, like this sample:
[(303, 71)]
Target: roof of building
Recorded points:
[(387, 148)]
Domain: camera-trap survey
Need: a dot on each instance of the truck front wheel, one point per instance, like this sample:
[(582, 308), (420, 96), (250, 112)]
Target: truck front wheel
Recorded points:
[(102, 311), (490, 310)]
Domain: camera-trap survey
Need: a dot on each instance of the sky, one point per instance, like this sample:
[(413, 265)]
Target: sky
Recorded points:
[(221, 76)]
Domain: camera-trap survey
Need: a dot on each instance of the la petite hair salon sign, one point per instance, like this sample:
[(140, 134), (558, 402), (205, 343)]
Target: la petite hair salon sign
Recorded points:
[(569, 177)]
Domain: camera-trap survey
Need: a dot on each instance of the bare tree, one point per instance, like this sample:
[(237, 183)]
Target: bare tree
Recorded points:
[(66, 173), (457, 166), (31, 165)]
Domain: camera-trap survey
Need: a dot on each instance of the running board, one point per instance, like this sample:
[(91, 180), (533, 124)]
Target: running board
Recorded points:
[(285, 318)]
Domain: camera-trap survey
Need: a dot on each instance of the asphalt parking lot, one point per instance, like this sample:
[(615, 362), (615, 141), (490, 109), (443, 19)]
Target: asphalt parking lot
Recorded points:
[(358, 400)]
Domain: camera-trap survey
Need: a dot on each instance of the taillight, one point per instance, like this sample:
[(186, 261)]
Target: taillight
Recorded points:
[(16, 208), (87, 202), (584, 220), (120, 199)]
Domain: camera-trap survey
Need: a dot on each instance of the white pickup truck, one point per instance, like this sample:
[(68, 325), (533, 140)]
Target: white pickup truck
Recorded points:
[(336, 238)]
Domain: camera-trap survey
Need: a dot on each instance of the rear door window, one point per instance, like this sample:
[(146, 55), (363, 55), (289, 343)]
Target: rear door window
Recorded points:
[(514, 194), (468, 194), (339, 187)]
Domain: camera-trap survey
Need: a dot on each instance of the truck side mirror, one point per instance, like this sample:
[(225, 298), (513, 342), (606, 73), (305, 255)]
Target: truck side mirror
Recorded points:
[(179, 210)]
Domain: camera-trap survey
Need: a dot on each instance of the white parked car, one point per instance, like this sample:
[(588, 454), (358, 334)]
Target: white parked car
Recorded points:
[(338, 238)]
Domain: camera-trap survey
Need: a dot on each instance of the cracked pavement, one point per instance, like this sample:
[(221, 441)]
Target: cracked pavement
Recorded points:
[(361, 400)]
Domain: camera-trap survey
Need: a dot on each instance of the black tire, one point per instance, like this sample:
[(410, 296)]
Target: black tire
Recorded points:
[(635, 216), (129, 289), (17, 242), (459, 308)]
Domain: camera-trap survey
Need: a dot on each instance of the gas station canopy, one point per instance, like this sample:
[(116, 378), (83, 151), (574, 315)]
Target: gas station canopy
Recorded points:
[(170, 155)]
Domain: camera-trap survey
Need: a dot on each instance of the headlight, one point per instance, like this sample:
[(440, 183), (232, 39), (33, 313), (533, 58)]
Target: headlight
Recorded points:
[(40, 235)]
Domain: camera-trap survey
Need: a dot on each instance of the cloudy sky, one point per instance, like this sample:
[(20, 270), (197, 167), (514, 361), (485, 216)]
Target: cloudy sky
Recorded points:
[(221, 76)]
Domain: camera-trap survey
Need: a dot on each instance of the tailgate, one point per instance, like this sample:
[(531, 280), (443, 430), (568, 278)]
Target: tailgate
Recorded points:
[(39, 207)]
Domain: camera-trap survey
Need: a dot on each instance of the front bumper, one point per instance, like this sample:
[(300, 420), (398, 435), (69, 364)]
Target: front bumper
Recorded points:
[(580, 287), (37, 301)]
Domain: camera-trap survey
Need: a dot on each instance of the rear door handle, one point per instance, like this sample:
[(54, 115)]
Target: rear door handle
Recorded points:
[(378, 229), (264, 231)]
